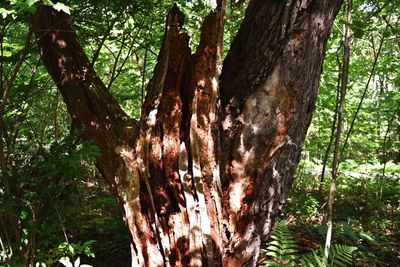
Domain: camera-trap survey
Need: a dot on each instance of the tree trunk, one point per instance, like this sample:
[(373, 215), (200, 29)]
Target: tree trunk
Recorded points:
[(268, 90), (202, 177)]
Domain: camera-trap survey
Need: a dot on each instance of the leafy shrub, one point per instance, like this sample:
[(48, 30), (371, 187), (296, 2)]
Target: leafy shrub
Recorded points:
[(45, 178)]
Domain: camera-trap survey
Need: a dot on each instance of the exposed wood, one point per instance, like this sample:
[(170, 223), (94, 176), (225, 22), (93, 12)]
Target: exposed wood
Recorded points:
[(176, 154), (162, 90), (204, 133)]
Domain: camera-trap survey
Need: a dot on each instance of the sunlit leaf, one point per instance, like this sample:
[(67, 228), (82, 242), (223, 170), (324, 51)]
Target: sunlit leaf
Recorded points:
[(31, 2), (66, 262), (4, 12), (77, 262), (62, 7)]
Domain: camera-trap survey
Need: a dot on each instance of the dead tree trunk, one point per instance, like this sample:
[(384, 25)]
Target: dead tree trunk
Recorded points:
[(203, 175)]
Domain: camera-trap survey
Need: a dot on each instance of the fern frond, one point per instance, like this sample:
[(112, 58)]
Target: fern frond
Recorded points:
[(340, 255), (282, 251), (282, 248), (312, 259)]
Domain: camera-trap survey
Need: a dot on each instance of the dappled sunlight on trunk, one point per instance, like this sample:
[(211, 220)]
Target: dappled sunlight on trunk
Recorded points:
[(203, 175)]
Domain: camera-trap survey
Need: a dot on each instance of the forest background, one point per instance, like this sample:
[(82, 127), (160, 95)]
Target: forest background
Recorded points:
[(65, 209)]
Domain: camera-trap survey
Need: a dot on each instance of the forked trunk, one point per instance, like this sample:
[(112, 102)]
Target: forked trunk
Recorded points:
[(204, 174)]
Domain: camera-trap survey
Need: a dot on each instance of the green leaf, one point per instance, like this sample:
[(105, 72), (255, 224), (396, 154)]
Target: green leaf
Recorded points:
[(273, 248), (62, 7), (77, 262), (271, 263), (366, 236), (48, 2), (31, 2), (66, 262), (4, 12), (272, 254)]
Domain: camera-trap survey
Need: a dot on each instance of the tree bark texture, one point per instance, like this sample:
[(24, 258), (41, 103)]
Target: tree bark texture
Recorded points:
[(203, 175), (268, 89)]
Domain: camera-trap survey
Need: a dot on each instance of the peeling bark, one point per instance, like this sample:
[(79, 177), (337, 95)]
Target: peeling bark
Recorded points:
[(204, 174)]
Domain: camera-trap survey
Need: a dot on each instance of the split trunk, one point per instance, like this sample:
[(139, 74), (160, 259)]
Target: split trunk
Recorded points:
[(204, 173)]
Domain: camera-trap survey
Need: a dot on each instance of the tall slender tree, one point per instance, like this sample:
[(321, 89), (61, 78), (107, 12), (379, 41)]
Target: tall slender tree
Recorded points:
[(204, 173), (342, 91)]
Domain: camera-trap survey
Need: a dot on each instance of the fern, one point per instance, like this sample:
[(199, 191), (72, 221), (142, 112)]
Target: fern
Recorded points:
[(282, 249), (313, 259), (340, 256)]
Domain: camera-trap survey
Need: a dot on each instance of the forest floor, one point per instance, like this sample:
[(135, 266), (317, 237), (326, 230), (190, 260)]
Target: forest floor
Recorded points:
[(366, 215)]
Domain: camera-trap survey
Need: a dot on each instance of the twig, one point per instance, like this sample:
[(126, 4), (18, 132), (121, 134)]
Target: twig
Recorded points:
[(361, 100)]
